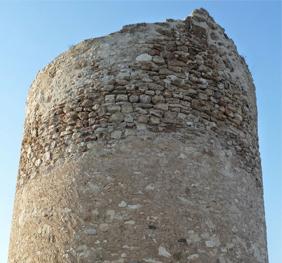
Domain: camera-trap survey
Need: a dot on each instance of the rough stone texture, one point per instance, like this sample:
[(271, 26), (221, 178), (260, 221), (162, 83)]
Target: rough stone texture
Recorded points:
[(142, 146)]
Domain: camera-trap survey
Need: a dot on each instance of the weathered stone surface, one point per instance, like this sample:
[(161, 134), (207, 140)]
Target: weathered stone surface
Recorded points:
[(145, 99), (134, 98), (142, 146), (144, 58)]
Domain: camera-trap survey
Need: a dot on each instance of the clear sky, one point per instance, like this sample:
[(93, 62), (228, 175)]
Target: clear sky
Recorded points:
[(33, 33)]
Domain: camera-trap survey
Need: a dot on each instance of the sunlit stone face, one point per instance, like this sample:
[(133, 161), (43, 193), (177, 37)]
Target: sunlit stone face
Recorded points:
[(141, 146)]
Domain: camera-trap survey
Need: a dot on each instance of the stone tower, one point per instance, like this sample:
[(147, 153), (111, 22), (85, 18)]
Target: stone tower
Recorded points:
[(142, 146)]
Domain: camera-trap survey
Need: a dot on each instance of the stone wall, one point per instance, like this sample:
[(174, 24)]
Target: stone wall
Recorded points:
[(175, 80), (178, 75)]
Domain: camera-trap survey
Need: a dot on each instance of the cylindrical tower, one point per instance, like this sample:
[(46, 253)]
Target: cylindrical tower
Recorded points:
[(142, 146)]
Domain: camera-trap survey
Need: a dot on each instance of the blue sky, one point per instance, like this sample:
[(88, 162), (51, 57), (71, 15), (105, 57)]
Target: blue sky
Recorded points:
[(33, 33)]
